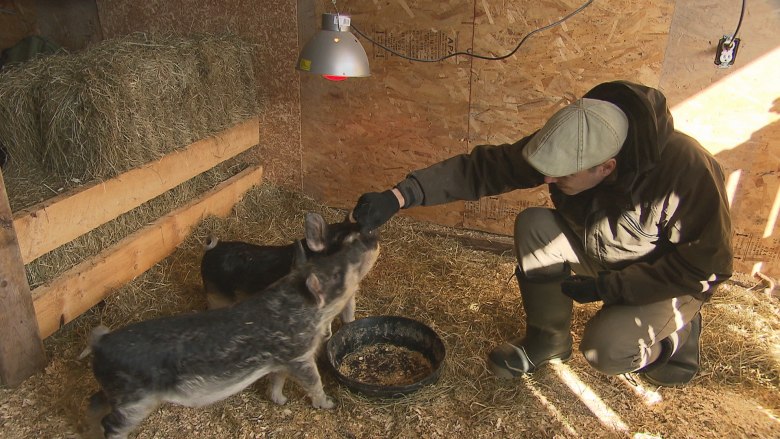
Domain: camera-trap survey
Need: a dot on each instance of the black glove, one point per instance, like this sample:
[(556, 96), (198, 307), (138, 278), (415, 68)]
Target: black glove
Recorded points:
[(374, 209), (582, 289)]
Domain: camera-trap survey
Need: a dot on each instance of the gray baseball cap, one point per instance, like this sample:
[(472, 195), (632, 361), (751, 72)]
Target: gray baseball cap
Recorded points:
[(585, 133)]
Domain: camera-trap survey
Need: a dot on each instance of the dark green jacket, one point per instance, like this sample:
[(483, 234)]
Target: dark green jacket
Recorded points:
[(661, 223)]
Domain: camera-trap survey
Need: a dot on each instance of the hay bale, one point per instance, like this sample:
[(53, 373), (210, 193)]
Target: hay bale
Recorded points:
[(114, 106)]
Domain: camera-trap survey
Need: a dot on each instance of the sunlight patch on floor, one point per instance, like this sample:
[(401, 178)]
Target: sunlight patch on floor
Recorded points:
[(602, 411), (775, 352), (768, 413), (648, 395), (549, 406)]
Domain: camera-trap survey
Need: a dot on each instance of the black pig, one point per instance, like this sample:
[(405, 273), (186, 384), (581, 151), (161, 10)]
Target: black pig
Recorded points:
[(234, 270), (199, 358)]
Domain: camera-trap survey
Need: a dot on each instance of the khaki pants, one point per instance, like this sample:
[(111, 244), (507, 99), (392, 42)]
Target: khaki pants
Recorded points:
[(619, 338)]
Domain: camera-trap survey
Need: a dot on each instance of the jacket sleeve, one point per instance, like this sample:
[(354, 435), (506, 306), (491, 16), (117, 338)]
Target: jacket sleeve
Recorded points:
[(698, 232), (487, 170)]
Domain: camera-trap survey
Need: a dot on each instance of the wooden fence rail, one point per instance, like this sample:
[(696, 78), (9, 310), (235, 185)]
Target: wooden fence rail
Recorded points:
[(26, 317)]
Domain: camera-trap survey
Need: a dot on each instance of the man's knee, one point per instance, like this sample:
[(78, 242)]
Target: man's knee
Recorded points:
[(531, 219), (540, 244), (611, 355)]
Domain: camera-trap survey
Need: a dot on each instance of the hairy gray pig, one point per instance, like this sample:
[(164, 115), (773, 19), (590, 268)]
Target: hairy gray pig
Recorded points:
[(199, 358)]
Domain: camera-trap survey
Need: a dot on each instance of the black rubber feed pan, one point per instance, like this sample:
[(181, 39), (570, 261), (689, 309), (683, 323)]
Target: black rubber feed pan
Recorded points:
[(395, 331)]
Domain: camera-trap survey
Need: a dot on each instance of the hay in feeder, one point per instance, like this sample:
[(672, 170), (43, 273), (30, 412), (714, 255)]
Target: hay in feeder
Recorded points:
[(119, 104)]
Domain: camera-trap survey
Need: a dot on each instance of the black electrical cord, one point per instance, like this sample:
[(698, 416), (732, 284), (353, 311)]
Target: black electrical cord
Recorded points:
[(730, 42), (468, 52)]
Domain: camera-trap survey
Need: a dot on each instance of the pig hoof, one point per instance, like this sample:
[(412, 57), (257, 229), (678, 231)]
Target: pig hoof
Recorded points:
[(280, 400), (324, 403)]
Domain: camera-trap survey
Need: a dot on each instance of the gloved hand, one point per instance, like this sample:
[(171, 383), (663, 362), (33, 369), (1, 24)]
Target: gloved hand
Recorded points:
[(582, 289), (374, 209)]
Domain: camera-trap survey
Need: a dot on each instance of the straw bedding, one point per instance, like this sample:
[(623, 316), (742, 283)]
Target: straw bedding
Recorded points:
[(468, 298)]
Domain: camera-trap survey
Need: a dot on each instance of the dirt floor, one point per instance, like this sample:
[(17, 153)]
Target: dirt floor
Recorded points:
[(469, 298)]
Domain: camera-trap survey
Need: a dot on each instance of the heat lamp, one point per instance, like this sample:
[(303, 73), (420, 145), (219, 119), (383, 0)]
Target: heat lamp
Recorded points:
[(334, 52)]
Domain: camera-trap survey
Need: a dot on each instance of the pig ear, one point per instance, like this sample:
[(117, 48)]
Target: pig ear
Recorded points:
[(316, 232), (299, 258), (315, 288)]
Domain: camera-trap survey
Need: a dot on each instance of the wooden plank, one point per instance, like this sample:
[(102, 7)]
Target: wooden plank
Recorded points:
[(21, 349), (45, 226), (22, 21), (86, 284), (498, 245)]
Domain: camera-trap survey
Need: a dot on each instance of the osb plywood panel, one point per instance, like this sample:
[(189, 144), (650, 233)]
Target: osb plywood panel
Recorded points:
[(734, 113), (270, 24), (754, 208), (366, 134), (513, 98)]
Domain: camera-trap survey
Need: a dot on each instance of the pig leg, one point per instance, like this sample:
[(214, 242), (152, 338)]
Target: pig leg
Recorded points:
[(98, 408), (348, 313), (126, 414), (275, 391), (307, 375), (216, 298)]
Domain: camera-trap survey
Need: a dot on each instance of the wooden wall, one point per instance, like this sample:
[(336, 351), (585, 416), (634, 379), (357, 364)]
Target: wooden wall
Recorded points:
[(365, 134), (19, 21), (337, 140), (734, 112)]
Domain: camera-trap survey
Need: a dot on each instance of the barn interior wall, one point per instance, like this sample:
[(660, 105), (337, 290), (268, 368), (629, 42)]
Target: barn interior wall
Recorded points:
[(366, 134)]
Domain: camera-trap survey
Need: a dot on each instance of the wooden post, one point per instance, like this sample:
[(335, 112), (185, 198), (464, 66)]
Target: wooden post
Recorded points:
[(21, 348)]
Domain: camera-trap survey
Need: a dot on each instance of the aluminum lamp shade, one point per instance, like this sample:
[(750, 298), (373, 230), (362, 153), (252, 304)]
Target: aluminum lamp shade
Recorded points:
[(334, 51)]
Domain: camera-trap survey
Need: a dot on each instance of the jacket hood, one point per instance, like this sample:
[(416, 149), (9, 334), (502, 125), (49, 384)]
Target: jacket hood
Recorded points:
[(650, 127)]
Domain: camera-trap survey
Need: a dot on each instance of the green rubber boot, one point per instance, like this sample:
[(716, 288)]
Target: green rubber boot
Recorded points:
[(547, 333), (680, 367)]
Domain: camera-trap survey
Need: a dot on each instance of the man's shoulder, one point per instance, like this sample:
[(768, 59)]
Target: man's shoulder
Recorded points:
[(682, 145)]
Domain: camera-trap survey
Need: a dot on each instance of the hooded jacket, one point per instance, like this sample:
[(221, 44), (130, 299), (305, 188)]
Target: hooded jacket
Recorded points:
[(660, 223)]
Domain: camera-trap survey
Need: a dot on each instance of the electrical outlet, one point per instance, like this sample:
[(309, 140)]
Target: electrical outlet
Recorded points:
[(727, 51)]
